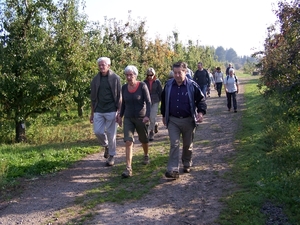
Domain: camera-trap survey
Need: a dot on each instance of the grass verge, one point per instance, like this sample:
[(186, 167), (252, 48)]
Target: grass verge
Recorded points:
[(266, 167)]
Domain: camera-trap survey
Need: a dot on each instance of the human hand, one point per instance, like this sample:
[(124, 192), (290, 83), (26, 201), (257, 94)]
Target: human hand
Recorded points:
[(146, 119), (119, 120), (199, 117), (91, 118)]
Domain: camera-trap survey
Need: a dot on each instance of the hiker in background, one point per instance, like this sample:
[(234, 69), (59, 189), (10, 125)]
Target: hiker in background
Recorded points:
[(231, 86), (180, 114), (105, 103), (219, 79), (228, 68), (171, 75), (212, 83), (136, 104), (189, 73), (155, 89), (201, 77)]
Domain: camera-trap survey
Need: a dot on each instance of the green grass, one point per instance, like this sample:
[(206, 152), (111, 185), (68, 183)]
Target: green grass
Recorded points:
[(266, 166), (57, 143), (53, 144)]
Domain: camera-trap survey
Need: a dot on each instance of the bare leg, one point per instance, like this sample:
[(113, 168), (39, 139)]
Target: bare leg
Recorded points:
[(145, 148)]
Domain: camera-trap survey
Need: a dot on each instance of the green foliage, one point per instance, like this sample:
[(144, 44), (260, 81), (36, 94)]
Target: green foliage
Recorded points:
[(230, 55), (266, 166), (280, 61), (72, 63), (249, 67), (26, 41), (221, 54), (50, 52)]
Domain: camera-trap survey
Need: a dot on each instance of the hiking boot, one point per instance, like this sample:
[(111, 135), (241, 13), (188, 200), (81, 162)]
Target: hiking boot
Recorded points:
[(173, 174), (151, 136), (127, 173), (105, 152), (110, 161), (156, 128), (146, 160), (186, 169)]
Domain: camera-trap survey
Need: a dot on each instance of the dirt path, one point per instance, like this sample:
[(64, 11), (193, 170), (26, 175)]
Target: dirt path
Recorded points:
[(193, 199)]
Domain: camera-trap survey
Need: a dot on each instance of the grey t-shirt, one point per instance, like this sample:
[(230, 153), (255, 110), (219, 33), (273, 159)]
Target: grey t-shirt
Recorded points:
[(136, 104)]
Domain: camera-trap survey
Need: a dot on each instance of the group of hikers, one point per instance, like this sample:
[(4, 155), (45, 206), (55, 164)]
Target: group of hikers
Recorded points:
[(134, 106)]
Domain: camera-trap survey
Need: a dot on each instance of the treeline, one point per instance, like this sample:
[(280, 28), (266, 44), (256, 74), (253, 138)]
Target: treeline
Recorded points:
[(239, 62), (49, 51)]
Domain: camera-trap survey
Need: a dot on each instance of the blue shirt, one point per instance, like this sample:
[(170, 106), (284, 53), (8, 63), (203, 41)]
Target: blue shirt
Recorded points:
[(179, 101)]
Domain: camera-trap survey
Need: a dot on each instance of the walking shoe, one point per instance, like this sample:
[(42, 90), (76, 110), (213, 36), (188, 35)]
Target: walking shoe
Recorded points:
[(110, 161), (105, 152), (146, 160), (173, 174), (151, 136), (156, 128), (127, 173), (186, 169), (235, 111)]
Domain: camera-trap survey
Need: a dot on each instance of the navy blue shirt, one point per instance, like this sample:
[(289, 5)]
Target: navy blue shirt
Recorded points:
[(179, 101)]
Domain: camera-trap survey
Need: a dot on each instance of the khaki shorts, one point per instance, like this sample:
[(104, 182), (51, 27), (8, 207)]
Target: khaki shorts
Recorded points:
[(132, 124)]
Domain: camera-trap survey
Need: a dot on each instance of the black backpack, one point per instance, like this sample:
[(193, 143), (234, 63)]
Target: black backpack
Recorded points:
[(234, 78)]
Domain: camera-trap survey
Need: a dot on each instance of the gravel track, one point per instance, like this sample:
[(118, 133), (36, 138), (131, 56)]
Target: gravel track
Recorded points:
[(192, 199)]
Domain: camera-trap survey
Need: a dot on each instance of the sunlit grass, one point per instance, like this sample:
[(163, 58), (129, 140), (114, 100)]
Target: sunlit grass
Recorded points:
[(266, 166)]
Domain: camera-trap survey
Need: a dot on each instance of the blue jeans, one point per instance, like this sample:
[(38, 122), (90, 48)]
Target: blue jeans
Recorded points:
[(203, 89)]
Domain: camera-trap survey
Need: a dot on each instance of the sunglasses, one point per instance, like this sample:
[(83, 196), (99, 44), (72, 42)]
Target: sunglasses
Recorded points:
[(150, 75)]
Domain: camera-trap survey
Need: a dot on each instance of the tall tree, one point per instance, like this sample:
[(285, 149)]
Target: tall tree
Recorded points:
[(27, 84), (221, 54), (280, 64), (72, 54), (231, 55)]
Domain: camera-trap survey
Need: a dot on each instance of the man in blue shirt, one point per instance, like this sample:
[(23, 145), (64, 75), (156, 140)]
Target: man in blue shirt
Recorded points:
[(182, 106)]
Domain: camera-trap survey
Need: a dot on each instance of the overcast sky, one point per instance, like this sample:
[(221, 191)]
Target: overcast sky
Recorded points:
[(238, 24)]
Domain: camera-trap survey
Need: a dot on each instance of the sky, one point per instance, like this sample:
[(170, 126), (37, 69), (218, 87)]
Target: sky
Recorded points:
[(238, 24)]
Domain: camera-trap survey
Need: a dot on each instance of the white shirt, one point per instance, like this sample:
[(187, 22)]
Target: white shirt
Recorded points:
[(219, 77), (230, 83)]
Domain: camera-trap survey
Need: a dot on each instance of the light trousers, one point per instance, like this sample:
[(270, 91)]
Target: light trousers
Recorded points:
[(153, 114), (105, 129)]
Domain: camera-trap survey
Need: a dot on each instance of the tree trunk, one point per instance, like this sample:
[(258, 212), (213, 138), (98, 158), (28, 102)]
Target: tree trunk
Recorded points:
[(20, 131), (80, 109)]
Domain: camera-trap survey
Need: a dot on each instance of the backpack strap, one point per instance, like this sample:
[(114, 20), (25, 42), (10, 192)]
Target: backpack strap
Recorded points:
[(234, 78)]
